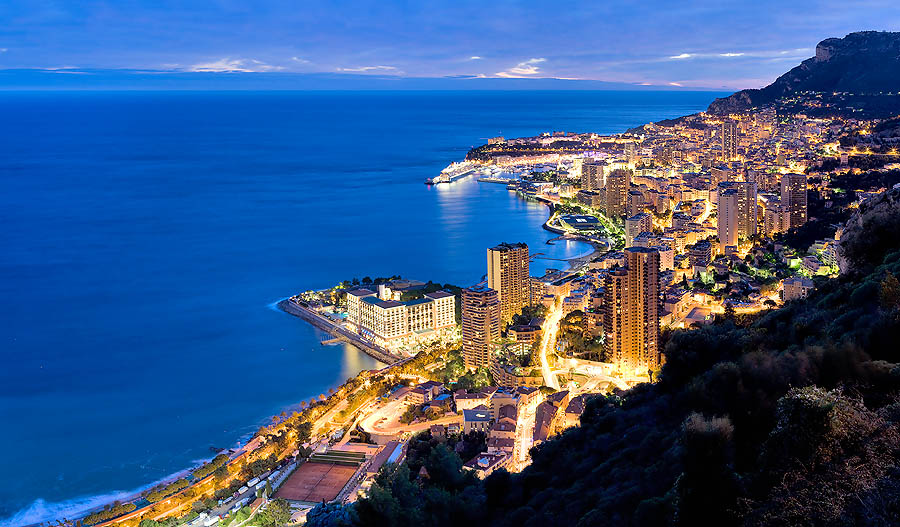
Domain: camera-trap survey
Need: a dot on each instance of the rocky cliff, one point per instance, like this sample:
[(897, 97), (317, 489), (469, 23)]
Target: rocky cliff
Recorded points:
[(866, 62)]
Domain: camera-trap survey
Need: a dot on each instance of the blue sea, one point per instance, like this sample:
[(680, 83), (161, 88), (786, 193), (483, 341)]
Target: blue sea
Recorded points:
[(147, 235)]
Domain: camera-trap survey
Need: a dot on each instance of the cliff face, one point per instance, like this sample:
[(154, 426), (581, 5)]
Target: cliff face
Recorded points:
[(864, 62)]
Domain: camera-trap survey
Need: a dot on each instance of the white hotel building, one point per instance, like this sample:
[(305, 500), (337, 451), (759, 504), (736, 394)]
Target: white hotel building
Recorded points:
[(393, 324)]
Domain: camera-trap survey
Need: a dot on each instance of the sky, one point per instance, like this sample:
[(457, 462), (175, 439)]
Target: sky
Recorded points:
[(713, 45)]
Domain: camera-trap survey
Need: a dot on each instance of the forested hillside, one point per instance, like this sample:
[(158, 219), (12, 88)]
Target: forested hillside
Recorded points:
[(791, 418)]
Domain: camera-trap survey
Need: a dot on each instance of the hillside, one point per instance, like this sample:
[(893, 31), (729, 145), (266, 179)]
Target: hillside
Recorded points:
[(789, 418), (864, 64)]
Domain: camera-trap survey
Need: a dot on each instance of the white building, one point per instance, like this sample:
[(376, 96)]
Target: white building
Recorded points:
[(391, 323)]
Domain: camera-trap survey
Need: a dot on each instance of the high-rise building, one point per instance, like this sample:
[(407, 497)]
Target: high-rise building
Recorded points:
[(729, 140), (634, 202), (747, 208), (737, 214), (617, 183), (793, 200), (480, 325), (773, 217), (631, 312), (727, 216), (631, 152), (635, 225), (507, 273), (575, 171), (593, 174)]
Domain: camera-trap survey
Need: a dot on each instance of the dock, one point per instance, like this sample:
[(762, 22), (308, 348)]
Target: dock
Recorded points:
[(492, 179)]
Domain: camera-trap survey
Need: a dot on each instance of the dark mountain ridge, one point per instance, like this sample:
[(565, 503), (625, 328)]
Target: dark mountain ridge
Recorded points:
[(865, 63)]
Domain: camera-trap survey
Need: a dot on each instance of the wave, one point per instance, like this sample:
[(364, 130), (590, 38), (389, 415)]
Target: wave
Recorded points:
[(274, 305), (42, 511)]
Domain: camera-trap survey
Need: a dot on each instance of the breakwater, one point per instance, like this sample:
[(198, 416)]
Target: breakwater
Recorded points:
[(318, 321)]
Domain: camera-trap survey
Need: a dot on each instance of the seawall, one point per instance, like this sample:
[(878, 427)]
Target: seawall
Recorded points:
[(319, 322)]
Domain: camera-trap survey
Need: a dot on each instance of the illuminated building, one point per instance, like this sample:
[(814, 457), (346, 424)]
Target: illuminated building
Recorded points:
[(390, 323), (631, 312), (729, 140), (617, 183), (727, 217), (480, 324), (593, 174), (793, 200), (737, 212), (635, 225), (507, 274)]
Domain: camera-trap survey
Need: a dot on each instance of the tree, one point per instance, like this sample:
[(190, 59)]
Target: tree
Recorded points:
[(304, 432), (276, 514), (729, 311), (889, 296)]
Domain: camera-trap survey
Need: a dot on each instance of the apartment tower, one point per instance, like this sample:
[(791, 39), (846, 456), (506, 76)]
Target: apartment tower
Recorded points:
[(593, 174), (480, 324), (631, 317), (729, 140), (793, 200), (507, 274), (617, 183)]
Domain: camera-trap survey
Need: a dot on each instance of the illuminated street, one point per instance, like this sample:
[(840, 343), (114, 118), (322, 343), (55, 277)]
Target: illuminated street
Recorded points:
[(548, 342)]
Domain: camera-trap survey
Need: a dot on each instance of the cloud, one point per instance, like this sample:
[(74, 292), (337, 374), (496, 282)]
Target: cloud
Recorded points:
[(229, 65), (676, 84), (4, 50), (795, 53), (300, 61), (363, 69), (523, 69), (473, 57)]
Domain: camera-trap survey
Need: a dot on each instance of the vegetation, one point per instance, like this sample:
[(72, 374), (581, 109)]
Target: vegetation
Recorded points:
[(276, 514), (788, 418), (475, 380), (580, 343), (429, 411), (166, 491), (108, 513), (210, 467), (238, 517)]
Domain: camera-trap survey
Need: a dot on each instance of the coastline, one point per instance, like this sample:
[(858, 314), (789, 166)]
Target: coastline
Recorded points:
[(292, 308), (281, 306)]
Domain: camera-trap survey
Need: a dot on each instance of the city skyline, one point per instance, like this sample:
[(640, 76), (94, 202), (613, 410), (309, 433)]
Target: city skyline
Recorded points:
[(701, 46)]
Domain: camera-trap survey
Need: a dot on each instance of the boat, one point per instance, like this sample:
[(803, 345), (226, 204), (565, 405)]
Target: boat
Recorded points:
[(453, 172)]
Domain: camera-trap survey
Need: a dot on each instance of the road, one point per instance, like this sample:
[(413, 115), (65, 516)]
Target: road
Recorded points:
[(391, 413), (548, 342)]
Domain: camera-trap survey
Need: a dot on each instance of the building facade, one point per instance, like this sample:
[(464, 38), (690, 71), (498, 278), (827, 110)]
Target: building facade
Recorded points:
[(729, 140), (631, 312), (617, 184), (392, 324), (635, 225), (480, 325), (507, 274), (794, 200), (593, 174)]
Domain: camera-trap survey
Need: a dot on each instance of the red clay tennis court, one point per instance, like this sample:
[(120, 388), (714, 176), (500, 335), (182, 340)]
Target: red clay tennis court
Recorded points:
[(314, 482)]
